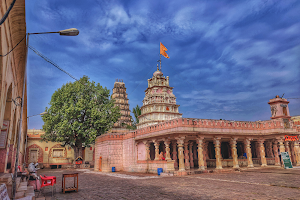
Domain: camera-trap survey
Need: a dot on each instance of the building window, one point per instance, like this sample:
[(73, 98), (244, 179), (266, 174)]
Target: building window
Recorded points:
[(58, 153)]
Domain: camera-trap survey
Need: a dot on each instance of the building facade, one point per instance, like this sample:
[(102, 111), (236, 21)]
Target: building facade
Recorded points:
[(190, 143), (53, 154), (12, 88)]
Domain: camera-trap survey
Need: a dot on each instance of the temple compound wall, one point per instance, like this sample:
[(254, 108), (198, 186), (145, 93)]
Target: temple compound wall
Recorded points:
[(53, 154), (188, 143)]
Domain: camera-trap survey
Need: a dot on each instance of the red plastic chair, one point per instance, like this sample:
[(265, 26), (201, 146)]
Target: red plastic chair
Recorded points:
[(53, 177), (49, 181)]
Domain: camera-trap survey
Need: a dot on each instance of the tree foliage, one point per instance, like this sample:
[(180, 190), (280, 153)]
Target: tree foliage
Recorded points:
[(136, 112), (78, 113)]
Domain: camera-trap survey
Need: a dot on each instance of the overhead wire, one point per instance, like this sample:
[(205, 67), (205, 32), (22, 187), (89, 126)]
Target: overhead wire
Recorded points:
[(7, 12), (13, 47)]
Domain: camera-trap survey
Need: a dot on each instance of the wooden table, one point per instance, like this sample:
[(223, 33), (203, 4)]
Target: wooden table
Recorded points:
[(64, 176)]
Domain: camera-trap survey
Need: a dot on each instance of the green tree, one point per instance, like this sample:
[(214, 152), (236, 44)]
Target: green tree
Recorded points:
[(136, 112), (78, 113)]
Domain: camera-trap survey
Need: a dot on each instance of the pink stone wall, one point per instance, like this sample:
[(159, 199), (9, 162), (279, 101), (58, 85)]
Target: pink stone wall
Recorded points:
[(2, 160), (141, 151)]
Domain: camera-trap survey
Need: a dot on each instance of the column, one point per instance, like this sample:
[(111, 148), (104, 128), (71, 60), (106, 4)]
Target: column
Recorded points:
[(275, 152), (175, 154), (186, 155), (269, 150), (234, 153), (293, 159), (262, 152), (205, 153), (180, 142), (281, 146), (200, 153), (217, 143), (167, 145), (147, 147), (297, 153), (156, 144), (248, 151), (191, 154), (287, 148)]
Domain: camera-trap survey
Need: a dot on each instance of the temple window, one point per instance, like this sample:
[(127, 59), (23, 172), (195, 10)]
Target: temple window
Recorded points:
[(58, 153)]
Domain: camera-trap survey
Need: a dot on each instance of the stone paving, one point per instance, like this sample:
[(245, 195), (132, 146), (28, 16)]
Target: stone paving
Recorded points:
[(268, 183)]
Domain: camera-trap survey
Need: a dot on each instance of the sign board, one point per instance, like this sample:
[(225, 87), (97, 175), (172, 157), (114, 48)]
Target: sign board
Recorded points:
[(290, 138), (286, 160), (3, 134)]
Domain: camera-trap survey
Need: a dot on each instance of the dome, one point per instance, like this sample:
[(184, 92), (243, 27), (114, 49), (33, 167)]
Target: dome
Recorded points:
[(158, 73)]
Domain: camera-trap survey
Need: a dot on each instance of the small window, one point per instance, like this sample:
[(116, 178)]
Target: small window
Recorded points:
[(58, 153)]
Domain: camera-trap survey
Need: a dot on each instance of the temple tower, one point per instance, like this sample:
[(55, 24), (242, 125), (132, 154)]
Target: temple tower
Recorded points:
[(120, 96), (159, 103), (279, 108)]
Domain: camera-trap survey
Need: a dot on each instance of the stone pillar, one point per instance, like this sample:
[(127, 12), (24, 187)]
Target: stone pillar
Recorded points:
[(205, 153), (248, 151), (200, 153), (293, 158), (262, 152), (167, 145), (287, 148), (186, 155), (191, 154), (281, 146), (234, 153), (297, 153), (218, 153), (175, 154), (180, 142), (147, 147), (275, 152), (269, 150), (156, 144)]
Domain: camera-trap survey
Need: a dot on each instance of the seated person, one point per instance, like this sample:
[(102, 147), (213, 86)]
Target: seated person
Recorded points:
[(161, 156)]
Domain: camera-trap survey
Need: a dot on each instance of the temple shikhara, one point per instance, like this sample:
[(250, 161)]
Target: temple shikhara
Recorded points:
[(164, 139)]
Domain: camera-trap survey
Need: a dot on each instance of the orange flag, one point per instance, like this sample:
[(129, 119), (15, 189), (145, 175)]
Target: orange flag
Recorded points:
[(163, 50)]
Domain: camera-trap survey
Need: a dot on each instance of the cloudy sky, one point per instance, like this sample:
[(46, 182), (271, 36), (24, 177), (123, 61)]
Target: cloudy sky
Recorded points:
[(227, 58)]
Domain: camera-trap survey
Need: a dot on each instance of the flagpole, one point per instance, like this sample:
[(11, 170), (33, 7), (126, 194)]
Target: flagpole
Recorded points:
[(160, 61)]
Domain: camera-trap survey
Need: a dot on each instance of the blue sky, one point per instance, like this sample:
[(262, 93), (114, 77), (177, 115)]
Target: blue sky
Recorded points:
[(227, 58)]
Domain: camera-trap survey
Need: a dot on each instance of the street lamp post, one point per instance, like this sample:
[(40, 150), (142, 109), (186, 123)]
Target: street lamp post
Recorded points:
[(66, 32)]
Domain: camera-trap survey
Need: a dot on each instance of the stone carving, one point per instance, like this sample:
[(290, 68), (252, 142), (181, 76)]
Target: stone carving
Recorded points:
[(274, 111)]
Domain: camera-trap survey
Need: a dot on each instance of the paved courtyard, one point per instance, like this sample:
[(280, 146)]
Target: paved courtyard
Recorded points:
[(270, 183)]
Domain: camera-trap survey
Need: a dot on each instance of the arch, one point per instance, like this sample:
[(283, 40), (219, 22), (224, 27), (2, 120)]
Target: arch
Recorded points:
[(7, 112), (58, 146), (40, 152)]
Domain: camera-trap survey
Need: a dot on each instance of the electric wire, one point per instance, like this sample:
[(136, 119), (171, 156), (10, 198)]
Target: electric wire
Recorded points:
[(7, 12), (58, 67), (13, 47)]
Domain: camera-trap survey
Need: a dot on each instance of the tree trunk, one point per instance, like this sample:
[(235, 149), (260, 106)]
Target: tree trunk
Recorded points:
[(78, 151)]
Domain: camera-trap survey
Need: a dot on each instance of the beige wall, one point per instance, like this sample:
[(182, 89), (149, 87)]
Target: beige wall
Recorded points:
[(47, 151)]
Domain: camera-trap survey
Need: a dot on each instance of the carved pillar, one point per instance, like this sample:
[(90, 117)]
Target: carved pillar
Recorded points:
[(248, 151), (262, 152), (186, 155), (167, 145), (200, 153), (287, 148), (180, 142), (156, 144), (191, 154), (275, 151), (281, 146), (293, 159), (147, 147), (269, 150), (218, 153), (234, 153), (175, 154), (297, 153), (205, 153)]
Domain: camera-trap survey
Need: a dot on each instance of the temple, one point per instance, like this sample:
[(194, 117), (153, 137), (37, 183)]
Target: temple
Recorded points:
[(195, 144)]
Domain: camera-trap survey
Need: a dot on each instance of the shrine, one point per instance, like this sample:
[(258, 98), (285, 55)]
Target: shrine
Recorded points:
[(164, 139)]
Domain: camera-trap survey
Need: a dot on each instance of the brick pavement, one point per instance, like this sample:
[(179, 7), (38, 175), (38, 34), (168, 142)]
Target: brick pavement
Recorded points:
[(251, 184)]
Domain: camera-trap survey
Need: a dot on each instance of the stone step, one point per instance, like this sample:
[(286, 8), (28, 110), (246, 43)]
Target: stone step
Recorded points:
[(22, 186), (30, 191), (40, 198)]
